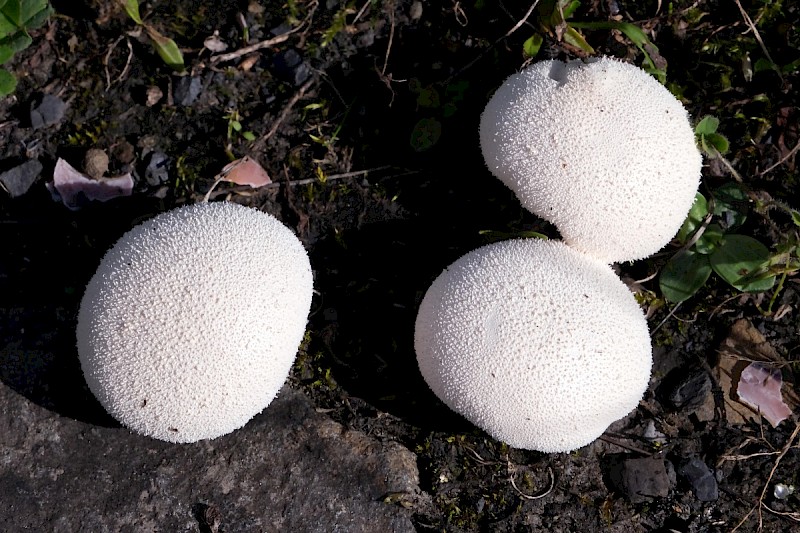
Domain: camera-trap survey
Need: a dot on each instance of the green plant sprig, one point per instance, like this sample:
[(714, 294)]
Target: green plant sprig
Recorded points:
[(711, 245), (17, 17), (163, 45)]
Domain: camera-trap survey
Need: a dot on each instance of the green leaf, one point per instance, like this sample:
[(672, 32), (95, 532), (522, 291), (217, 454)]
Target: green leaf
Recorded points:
[(425, 134), (11, 10), (236, 125), (796, 217), (132, 9), (31, 11), (7, 27), (694, 219), (718, 141), (569, 7), (739, 259), (38, 18), (6, 53), (710, 240), (18, 41), (707, 125), (731, 203), (7, 82), (574, 37), (532, 45), (167, 49), (683, 275), (249, 135)]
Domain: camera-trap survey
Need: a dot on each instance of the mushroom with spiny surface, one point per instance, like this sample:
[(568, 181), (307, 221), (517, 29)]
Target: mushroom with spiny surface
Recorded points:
[(192, 321), (600, 149), (536, 343)]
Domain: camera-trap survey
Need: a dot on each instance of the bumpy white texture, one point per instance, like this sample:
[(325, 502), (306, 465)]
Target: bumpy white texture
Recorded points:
[(190, 326), (600, 149), (538, 344)]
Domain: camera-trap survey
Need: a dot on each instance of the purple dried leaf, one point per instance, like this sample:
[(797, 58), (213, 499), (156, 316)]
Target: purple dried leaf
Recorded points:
[(75, 189), (759, 388)]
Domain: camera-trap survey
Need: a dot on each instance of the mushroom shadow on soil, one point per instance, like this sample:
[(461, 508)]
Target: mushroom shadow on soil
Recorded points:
[(46, 261), (364, 323)]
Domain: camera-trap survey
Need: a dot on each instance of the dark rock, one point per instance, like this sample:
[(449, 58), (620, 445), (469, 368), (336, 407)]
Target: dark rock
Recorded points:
[(288, 469), (19, 179), (290, 66), (187, 90), (157, 171), (685, 388), (46, 111), (640, 478), (701, 478)]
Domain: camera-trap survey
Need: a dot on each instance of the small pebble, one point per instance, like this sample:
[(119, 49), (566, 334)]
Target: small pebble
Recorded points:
[(95, 163), (17, 180), (701, 478), (46, 111), (187, 90), (782, 491)]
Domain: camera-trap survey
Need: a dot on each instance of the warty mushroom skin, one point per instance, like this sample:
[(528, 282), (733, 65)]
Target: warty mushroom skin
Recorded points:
[(539, 345), (192, 321), (598, 148)]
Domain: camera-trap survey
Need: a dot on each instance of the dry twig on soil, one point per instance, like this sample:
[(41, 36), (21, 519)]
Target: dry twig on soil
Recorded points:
[(760, 505)]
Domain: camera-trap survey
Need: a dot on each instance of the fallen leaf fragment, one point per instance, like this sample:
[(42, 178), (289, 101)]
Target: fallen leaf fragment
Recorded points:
[(760, 388), (75, 189), (245, 171), (743, 346)]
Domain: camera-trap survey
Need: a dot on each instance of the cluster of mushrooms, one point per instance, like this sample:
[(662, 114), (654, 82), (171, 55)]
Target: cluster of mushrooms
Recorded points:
[(538, 342)]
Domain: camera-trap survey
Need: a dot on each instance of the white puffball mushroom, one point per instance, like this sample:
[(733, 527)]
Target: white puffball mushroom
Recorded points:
[(600, 149), (192, 321), (536, 343)]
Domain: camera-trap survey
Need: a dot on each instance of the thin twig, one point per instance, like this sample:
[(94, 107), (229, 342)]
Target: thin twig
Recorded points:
[(752, 26), (254, 47), (672, 312), (521, 21), (511, 468), (760, 504), (107, 59), (284, 113), (308, 181), (783, 159), (391, 38)]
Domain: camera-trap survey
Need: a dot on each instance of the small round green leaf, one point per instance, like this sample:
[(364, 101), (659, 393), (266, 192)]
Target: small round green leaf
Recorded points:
[(683, 275), (710, 239), (425, 134), (707, 125), (739, 260), (695, 217), (532, 45), (731, 203)]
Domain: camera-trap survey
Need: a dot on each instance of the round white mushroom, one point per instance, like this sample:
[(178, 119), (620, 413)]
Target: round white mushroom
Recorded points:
[(600, 149), (190, 326), (536, 343)]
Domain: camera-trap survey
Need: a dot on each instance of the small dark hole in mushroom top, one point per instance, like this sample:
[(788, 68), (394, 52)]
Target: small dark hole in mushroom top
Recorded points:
[(175, 430)]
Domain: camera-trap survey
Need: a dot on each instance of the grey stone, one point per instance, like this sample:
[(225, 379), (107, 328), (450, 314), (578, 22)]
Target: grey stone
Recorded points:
[(187, 90), (291, 66), (19, 179), (645, 477), (157, 171), (46, 111), (686, 388), (288, 469), (701, 478)]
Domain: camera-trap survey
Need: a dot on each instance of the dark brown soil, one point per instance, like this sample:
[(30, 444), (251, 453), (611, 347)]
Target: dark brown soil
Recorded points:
[(366, 118)]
